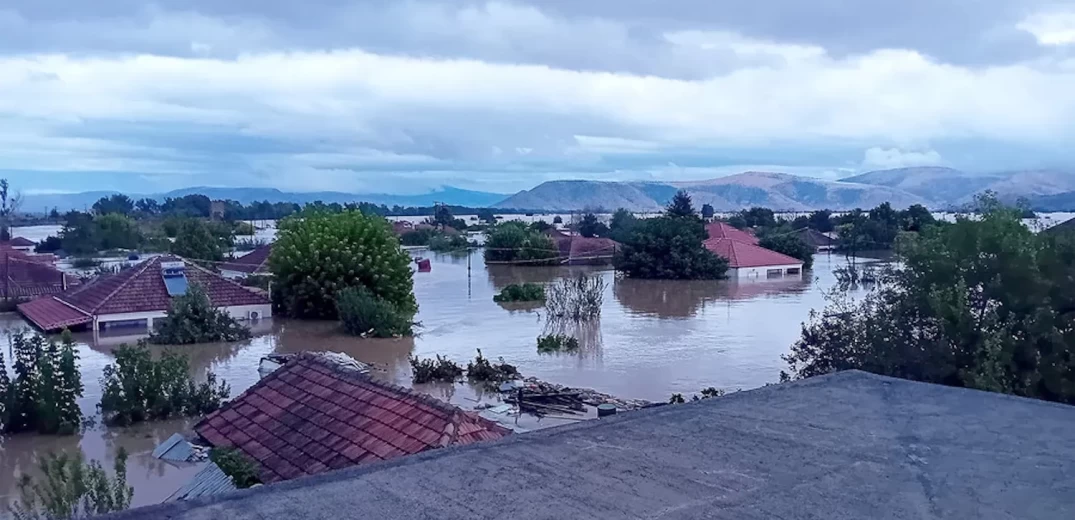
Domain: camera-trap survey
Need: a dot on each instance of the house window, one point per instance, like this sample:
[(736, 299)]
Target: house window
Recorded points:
[(794, 270), (773, 273)]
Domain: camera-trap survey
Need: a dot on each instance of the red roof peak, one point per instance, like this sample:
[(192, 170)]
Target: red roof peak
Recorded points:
[(719, 229), (251, 262), (743, 254)]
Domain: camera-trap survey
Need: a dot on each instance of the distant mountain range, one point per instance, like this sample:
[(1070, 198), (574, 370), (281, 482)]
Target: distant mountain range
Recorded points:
[(447, 195), (934, 187)]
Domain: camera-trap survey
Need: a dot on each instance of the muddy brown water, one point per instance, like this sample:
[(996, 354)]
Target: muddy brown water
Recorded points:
[(654, 338)]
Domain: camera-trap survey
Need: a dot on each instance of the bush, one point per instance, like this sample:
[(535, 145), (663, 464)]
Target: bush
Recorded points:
[(364, 314), (43, 396), (557, 220), (235, 464), (197, 240), (192, 319), (444, 243), (982, 303), (438, 370), (790, 245), (69, 488), (418, 237), (319, 254), (481, 370), (590, 227), (136, 388), (50, 244), (85, 263), (515, 242), (557, 343), (249, 244), (669, 248), (527, 292), (575, 299)]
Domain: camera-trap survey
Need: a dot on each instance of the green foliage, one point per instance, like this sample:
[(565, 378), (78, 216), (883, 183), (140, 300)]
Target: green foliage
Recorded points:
[(980, 303), (417, 237), (482, 370), (879, 227), (486, 215), (753, 218), (50, 244), (198, 240), (442, 218), (821, 220), (136, 388), (669, 248), (78, 234), (707, 211), (249, 244), (621, 226), (556, 343), (85, 234), (527, 292), (85, 263), (260, 281), (192, 319), (791, 245), (681, 206), (540, 226), (576, 298), (437, 370), (43, 396), (70, 488), (707, 393), (446, 242), (515, 242), (364, 314), (242, 228), (557, 220), (590, 227), (319, 254), (676, 399), (117, 204), (235, 464)]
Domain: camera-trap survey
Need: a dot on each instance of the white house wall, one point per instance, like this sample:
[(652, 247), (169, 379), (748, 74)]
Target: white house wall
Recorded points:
[(239, 312), (761, 271)]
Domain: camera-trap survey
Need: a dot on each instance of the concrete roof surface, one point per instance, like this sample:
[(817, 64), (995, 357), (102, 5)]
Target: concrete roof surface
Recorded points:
[(845, 446)]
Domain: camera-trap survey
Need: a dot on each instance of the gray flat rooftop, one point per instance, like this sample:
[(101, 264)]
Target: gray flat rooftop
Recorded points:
[(850, 445)]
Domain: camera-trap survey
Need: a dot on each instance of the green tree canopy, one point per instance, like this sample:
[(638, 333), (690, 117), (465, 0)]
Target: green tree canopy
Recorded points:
[(590, 226), (622, 224), (117, 203), (515, 242), (116, 231), (790, 244), (669, 248), (980, 303), (318, 254), (707, 211), (681, 206), (195, 240)]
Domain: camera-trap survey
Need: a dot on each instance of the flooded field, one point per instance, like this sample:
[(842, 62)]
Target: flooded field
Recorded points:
[(654, 338)]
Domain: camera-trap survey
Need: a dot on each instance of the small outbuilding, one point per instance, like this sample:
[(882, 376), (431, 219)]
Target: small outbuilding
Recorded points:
[(252, 263)]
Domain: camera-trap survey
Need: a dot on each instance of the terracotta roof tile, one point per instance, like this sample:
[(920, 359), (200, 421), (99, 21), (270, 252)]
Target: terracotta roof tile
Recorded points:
[(346, 418), (742, 254), (256, 261), (717, 230)]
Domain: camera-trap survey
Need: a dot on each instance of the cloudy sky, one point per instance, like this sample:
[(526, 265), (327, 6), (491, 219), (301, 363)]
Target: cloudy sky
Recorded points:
[(406, 95)]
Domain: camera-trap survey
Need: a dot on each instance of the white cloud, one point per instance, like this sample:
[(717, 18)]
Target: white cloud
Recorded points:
[(1051, 27), (885, 158)]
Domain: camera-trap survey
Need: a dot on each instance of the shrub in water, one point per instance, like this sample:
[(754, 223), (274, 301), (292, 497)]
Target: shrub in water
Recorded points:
[(43, 395), (445, 243), (70, 488), (575, 299), (527, 292), (193, 319), (557, 343), (363, 314), (438, 370), (481, 370), (136, 388)]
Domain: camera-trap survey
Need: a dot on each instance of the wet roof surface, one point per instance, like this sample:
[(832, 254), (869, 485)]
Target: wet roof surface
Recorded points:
[(847, 446)]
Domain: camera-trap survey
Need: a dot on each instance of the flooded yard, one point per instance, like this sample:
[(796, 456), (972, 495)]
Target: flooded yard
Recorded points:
[(654, 338)]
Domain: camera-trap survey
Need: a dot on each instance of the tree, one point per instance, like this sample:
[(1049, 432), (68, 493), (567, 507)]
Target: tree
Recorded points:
[(791, 245), (116, 231), (117, 203), (9, 204), (193, 205), (192, 319), (70, 489), (821, 220), (319, 254), (669, 248), (147, 206), (54, 214), (754, 218), (681, 206), (622, 224), (979, 303), (443, 218), (195, 240), (707, 211), (590, 226), (916, 218), (486, 215), (5, 393), (557, 220), (363, 314), (43, 396), (515, 242)]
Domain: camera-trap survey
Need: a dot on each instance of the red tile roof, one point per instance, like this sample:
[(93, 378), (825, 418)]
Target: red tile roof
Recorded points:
[(581, 250), (314, 415), (141, 289), (742, 254), (253, 262), (25, 276), (21, 242), (724, 230), (49, 314)]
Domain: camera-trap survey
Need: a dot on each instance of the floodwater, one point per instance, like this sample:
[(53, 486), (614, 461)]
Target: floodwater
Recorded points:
[(654, 338)]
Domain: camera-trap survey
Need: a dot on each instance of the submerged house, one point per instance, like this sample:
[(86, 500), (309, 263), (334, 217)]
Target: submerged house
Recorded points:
[(816, 239), (24, 276), (580, 250), (315, 414), (22, 244), (254, 262), (140, 294), (746, 259)]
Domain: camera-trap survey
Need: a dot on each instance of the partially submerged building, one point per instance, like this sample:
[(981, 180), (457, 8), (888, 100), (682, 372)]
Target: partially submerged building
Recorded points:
[(317, 413), (580, 250), (816, 239), (24, 276), (138, 295), (849, 445), (255, 262), (747, 259), (21, 244)]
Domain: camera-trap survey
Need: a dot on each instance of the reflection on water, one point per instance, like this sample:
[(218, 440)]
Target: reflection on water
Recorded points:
[(654, 338)]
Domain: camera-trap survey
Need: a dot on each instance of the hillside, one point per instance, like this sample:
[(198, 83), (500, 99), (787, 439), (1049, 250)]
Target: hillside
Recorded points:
[(778, 191), (949, 187)]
